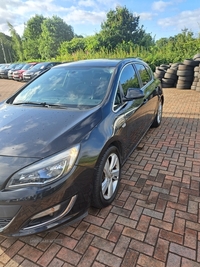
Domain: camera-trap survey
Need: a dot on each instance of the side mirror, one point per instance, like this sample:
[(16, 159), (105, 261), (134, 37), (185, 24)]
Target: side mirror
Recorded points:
[(133, 93)]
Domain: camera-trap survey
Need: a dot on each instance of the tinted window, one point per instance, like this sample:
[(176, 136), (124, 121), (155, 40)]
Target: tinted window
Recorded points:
[(144, 74), (129, 79)]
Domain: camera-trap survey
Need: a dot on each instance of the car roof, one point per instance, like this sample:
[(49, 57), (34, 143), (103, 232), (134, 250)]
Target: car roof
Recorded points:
[(99, 62)]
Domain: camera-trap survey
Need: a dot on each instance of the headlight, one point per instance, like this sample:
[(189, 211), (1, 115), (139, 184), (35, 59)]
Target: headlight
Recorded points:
[(37, 73), (46, 170)]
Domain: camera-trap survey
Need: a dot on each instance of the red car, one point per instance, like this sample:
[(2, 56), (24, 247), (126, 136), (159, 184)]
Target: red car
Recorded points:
[(18, 75)]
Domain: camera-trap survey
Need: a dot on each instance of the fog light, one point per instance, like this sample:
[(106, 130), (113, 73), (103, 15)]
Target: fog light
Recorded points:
[(48, 212)]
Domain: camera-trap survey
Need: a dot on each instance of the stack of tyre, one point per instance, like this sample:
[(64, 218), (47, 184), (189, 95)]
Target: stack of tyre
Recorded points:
[(167, 74), (160, 71), (196, 80), (185, 73), (170, 77)]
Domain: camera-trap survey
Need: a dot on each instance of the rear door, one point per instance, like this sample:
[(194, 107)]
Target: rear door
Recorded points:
[(148, 85)]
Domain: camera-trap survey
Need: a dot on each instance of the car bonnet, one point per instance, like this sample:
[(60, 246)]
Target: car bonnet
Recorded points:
[(38, 132)]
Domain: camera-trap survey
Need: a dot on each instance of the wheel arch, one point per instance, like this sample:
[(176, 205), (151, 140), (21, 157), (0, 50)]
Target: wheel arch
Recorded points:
[(110, 143)]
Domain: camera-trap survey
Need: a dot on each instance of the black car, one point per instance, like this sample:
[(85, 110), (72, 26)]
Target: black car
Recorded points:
[(65, 136), (38, 69), (4, 71)]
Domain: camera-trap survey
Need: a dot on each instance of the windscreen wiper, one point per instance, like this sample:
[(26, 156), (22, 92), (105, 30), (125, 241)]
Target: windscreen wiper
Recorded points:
[(42, 104)]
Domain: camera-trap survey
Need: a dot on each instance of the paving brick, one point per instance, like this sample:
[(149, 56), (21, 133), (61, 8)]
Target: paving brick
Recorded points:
[(182, 251), (11, 251), (176, 206), (161, 250), (132, 233), (101, 243), (122, 246), (93, 229), (56, 263), (130, 259), (121, 211), (152, 213), (169, 215), (69, 256), (44, 243), (30, 253), (192, 207), (179, 226), (80, 230), (161, 224), (143, 223), (94, 220), (189, 263), (126, 222), (160, 205), (145, 261), (172, 237), (183, 198), (190, 239), (136, 213), (187, 216), (29, 263), (198, 251), (153, 197), (151, 236), (141, 247), (193, 225), (110, 221), (145, 204), (97, 264), (173, 260), (48, 256), (109, 259), (66, 241), (115, 232), (88, 258)]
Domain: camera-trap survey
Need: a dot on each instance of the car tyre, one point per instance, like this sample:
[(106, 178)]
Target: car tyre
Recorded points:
[(108, 175), (158, 117)]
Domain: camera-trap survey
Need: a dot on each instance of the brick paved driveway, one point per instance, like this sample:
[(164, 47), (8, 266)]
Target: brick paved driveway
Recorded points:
[(155, 220)]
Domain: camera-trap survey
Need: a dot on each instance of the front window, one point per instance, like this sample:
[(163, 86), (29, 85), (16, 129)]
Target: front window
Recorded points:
[(67, 87), (144, 74), (129, 79)]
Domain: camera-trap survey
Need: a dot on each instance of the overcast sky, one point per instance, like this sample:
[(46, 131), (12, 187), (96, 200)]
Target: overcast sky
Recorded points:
[(160, 18)]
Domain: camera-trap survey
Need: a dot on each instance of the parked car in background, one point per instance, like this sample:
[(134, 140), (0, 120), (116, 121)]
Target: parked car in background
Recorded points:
[(18, 74), (65, 136), (37, 69), (2, 67), (4, 72), (17, 67)]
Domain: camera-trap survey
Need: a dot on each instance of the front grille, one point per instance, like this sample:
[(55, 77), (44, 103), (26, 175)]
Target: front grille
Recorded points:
[(4, 222)]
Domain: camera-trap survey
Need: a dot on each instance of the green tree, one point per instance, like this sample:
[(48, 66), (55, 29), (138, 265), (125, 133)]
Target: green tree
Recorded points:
[(16, 43), (7, 54), (31, 37), (54, 32), (121, 26), (69, 47)]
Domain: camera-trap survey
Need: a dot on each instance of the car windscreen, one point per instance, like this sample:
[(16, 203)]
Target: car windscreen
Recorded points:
[(27, 66), (75, 87)]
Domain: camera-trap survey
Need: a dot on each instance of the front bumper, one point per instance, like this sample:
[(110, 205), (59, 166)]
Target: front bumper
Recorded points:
[(27, 78), (32, 210), (4, 75)]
